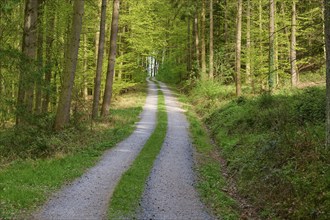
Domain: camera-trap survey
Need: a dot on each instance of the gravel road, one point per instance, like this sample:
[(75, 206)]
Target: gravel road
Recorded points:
[(88, 196), (170, 192)]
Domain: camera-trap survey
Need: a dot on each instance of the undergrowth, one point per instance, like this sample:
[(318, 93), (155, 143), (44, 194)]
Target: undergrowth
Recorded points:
[(211, 184), (34, 162), (274, 147)]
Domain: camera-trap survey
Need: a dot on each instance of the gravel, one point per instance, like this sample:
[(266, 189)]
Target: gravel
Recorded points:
[(170, 192), (88, 196)]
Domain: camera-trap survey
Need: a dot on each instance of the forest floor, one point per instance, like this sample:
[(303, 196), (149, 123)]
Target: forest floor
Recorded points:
[(169, 191)]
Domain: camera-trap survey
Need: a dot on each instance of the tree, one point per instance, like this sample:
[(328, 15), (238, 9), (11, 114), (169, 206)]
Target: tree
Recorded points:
[(293, 54), (248, 42), (327, 45), (211, 71), (29, 48), (196, 36), (39, 81), (271, 72), (112, 59), (97, 80), (49, 57), (238, 47), (64, 105), (203, 74)]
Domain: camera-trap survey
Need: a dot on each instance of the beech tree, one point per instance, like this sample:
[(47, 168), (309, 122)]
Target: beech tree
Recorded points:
[(112, 59), (327, 45), (211, 71), (97, 80), (238, 47), (64, 105), (293, 53), (29, 49), (271, 78), (203, 58)]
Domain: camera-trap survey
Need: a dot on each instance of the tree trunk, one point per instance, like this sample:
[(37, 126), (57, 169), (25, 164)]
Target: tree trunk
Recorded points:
[(85, 69), (225, 23), (112, 59), (271, 44), (327, 46), (29, 46), (189, 50), (39, 80), (293, 56), (121, 53), (49, 57), (203, 74), (260, 25), (248, 42), (64, 105), (197, 37), (211, 67), (238, 48), (97, 80)]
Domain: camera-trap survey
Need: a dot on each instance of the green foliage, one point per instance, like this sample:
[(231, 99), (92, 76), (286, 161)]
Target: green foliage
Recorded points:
[(125, 199), (171, 73), (211, 182), (207, 95), (274, 145), (34, 163)]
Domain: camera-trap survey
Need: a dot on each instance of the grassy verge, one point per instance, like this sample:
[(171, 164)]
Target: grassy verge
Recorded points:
[(126, 197), (212, 185), (26, 181), (274, 148)]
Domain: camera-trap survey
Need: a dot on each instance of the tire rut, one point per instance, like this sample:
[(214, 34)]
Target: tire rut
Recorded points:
[(88, 196), (170, 192)]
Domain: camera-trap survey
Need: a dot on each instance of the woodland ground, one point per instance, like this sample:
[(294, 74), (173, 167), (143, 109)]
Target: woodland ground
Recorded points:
[(35, 163), (273, 147)]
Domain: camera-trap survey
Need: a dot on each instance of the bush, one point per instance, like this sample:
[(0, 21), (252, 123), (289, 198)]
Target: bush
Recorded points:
[(274, 146)]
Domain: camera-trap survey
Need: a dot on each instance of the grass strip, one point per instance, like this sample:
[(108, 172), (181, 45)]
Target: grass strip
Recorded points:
[(211, 184), (26, 184), (126, 197)]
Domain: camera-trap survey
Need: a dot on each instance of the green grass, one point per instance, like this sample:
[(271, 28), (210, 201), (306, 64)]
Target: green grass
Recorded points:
[(211, 183), (274, 147), (26, 182), (126, 197)]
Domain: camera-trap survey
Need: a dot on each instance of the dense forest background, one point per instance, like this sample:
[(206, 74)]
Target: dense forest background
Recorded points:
[(181, 40), (254, 70)]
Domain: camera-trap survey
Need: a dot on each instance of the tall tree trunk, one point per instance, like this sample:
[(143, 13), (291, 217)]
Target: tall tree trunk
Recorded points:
[(2, 86), (85, 69), (189, 50), (121, 51), (260, 25), (29, 48), (293, 56), (49, 47), (238, 48), (271, 73), (327, 45), (39, 80), (248, 42), (64, 105), (211, 67), (203, 74), (97, 80), (197, 37), (225, 23), (112, 59)]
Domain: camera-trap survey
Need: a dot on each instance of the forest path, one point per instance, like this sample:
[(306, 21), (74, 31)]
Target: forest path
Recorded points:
[(88, 196), (170, 192)]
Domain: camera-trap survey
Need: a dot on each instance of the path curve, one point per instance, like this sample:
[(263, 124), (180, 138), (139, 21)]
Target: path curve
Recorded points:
[(170, 192), (88, 196)]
